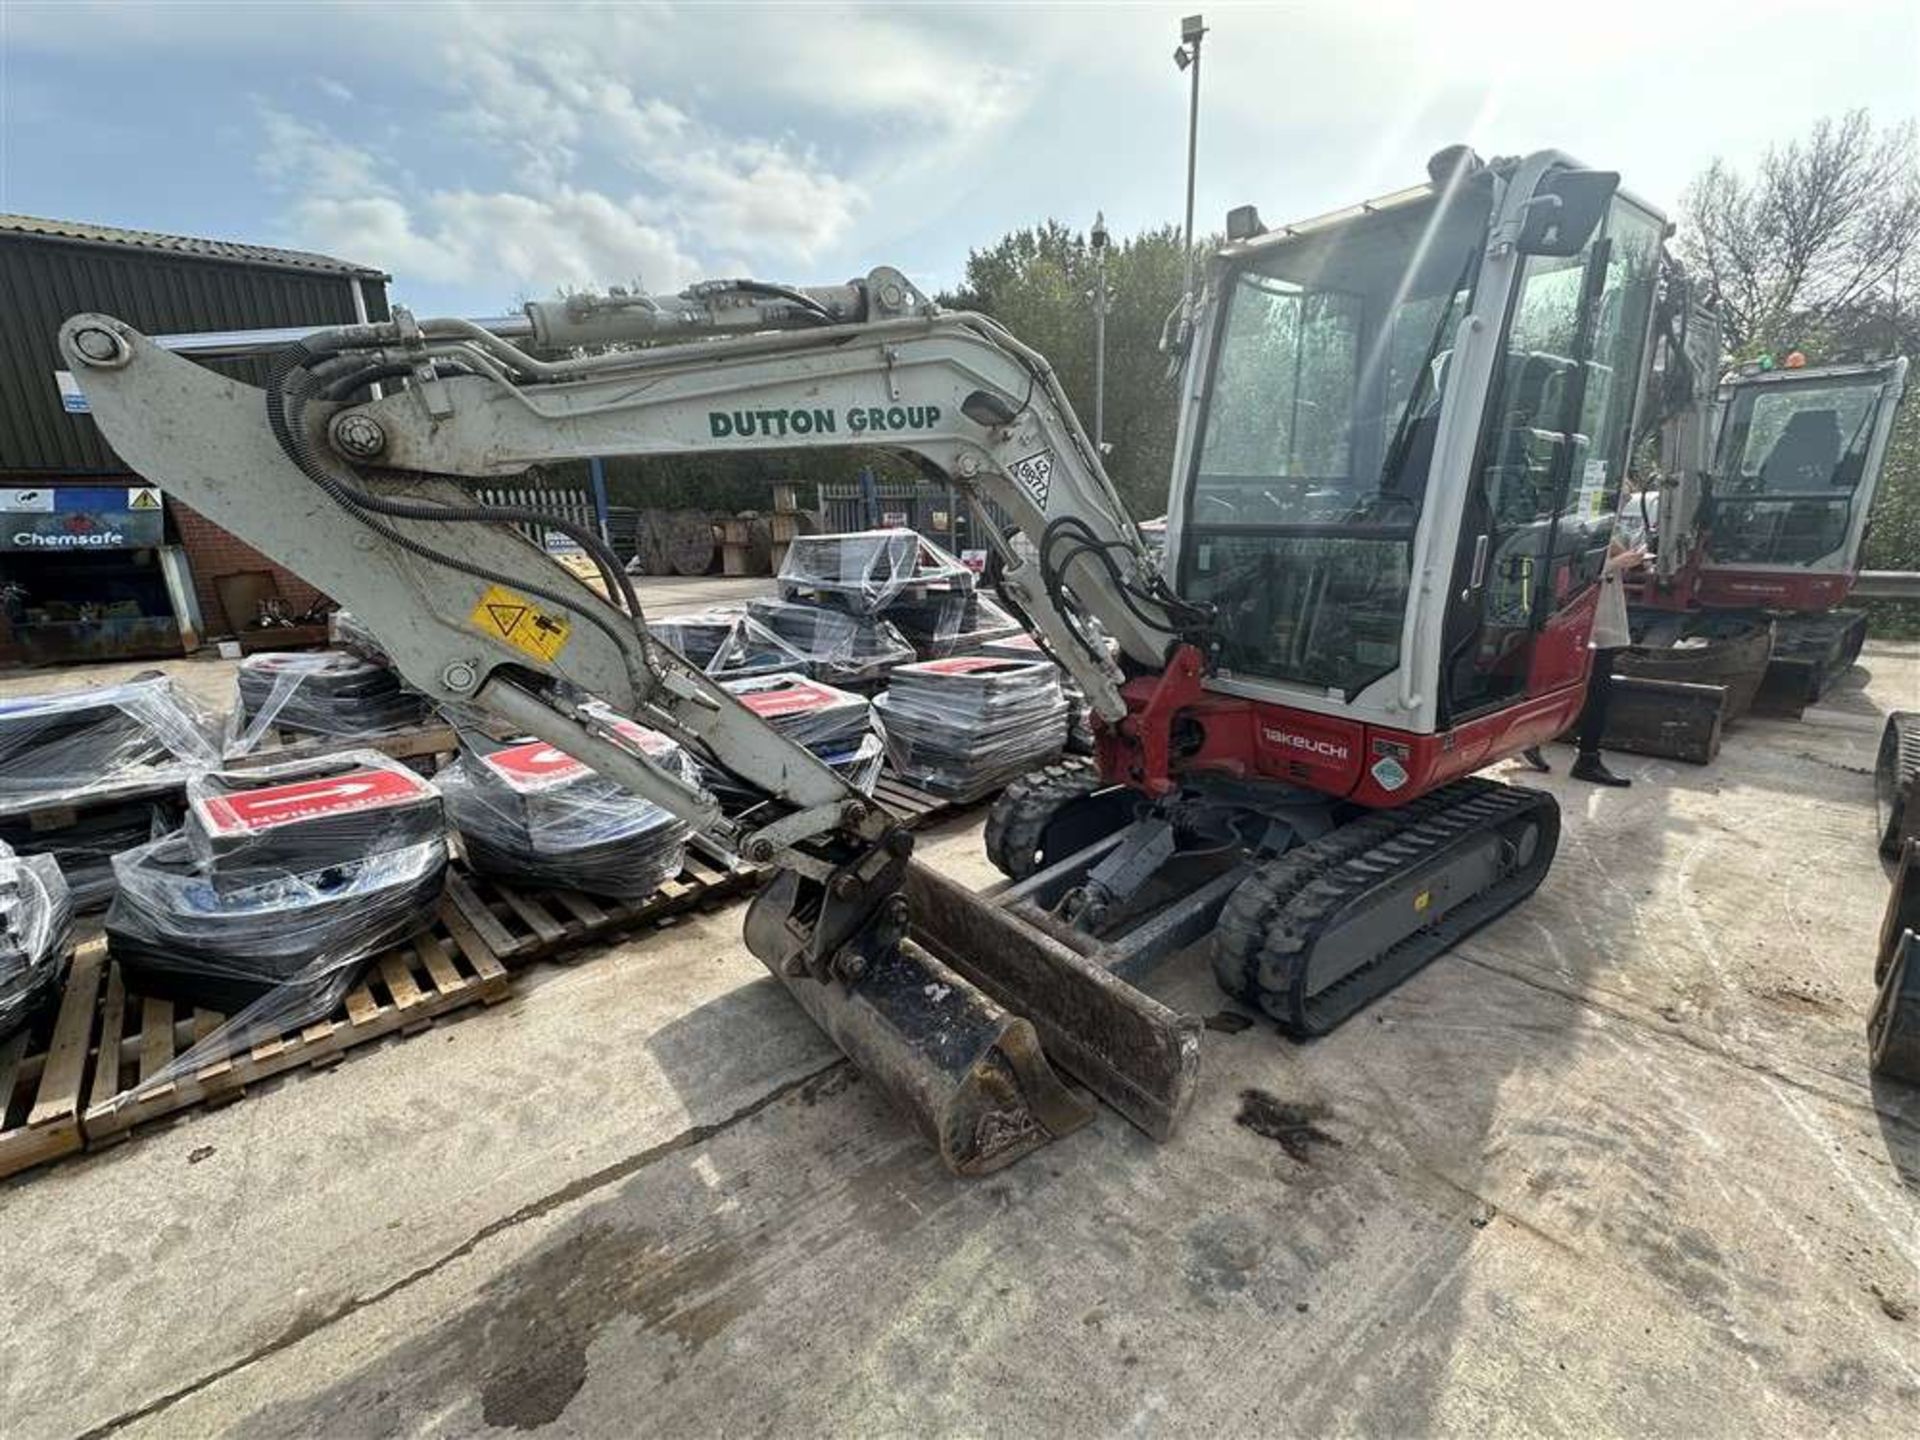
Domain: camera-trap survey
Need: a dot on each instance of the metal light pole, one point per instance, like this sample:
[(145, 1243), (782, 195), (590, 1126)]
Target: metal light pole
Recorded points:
[(1100, 332), (1187, 57)]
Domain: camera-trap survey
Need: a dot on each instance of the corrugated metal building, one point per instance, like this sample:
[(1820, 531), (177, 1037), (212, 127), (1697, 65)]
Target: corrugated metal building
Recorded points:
[(92, 563)]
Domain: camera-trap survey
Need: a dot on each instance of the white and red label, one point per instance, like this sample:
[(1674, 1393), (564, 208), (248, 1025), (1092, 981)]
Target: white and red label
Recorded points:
[(536, 763), (796, 697), (247, 811), (968, 665)]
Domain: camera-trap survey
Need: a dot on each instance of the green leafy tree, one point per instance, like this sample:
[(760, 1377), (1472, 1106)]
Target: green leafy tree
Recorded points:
[(1039, 283)]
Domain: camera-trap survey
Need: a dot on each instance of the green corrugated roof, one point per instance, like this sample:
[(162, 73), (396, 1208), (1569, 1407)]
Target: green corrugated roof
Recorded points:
[(228, 250)]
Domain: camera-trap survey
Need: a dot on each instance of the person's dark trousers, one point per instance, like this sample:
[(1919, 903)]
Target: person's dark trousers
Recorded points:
[(1593, 715), (1593, 723)]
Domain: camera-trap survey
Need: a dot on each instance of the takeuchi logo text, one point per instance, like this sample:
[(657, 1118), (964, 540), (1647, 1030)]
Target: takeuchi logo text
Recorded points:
[(1325, 749)]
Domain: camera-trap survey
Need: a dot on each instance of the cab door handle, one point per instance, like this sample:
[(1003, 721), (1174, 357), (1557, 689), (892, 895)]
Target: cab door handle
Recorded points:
[(1479, 563)]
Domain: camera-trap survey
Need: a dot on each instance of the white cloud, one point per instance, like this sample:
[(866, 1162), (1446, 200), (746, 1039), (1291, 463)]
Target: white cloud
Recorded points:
[(333, 89), (340, 201)]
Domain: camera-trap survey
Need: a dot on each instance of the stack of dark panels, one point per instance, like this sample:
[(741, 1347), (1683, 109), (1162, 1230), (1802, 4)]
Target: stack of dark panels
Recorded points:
[(530, 813), (962, 725), (836, 647), (85, 848), (97, 739), (1079, 713), (940, 623), (726, 644), (35, 918), (866, 571), (282, 880), (834, 724), (331, 693)]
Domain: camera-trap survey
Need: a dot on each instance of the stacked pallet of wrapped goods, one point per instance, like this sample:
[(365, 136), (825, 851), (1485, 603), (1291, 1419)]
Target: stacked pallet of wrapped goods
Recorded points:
[(728, 643), (858, 604), (836, 725), (282, 880), (332, 693), (35, 917), (531, 813), (85, 774), (964, 724)]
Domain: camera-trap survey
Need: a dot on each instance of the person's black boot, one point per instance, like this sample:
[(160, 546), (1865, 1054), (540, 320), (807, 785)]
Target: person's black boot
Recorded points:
[(1535, 760), (1589, 768)]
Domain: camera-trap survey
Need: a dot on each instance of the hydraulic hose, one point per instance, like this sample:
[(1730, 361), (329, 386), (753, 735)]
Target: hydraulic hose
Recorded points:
[(284, 407)]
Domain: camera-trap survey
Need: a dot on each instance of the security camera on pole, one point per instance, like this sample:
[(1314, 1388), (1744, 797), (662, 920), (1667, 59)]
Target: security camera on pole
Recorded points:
[(1187, 57)]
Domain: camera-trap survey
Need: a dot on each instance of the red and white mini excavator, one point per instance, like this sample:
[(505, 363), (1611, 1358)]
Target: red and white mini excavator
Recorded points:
[(1403, 433)]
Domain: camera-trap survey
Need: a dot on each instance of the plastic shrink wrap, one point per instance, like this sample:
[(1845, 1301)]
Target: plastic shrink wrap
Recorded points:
[(943, 622), (280, 883), (1079, 713), (35, 920), (727, 643), (531, 813), (966, 723), (865, 571), (836, 725), (86, 847), (80, 743), (345, 632), (331, 693), (838, 648)]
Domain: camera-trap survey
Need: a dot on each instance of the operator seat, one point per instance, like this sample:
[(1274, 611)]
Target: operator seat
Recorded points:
[(1805, 454)]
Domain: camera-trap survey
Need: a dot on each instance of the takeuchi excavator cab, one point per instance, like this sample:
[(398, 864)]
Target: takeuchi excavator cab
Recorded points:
[(1399, 479), (1794, 476)]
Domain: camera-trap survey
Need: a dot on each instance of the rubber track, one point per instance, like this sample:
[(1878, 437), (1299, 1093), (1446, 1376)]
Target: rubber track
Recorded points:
[(1299, 902), (1895, 782), (1022, 812), (1256, 904)]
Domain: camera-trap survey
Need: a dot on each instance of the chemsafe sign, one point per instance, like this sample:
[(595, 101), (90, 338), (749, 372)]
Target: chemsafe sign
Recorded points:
[(75, 517)]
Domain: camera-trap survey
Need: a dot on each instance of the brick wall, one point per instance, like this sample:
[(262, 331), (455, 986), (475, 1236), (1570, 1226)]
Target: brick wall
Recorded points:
[(212, 552)]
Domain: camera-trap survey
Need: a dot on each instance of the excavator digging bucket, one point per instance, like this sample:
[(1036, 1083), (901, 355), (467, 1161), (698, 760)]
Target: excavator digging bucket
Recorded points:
[(1135, 1053), (971, 1076), (959, 1023)]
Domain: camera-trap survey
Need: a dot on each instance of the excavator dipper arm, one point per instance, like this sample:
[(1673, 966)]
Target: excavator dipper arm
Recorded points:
[(366, 500)]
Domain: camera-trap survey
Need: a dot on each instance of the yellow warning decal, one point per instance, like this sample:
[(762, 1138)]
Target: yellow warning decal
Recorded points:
[(1422, 900), (521, 623)]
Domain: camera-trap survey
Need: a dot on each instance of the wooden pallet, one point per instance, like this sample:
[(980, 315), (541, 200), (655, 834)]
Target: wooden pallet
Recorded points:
[(281, 746), (917, 808), (136, 1038), (519, 924), (40, 1090)]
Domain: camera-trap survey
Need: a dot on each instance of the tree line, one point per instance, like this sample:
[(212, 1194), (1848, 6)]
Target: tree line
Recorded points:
[(1816, 248)]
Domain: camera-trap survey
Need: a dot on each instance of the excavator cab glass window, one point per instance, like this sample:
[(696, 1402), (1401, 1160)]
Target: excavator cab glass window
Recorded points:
[(1792, 456), (1553, 454), (1323, 400)]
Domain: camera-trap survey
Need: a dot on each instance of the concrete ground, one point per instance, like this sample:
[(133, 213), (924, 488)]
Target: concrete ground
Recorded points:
[(1614, 1165)]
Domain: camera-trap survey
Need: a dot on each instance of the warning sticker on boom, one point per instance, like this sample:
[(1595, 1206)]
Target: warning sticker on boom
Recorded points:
[(1034, 475), (521, 623)]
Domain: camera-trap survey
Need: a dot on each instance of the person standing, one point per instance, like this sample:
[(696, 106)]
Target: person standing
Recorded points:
[(1608, 638)]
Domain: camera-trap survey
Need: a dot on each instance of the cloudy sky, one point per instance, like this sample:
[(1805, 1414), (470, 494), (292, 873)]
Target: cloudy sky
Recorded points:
[(483, 152)]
